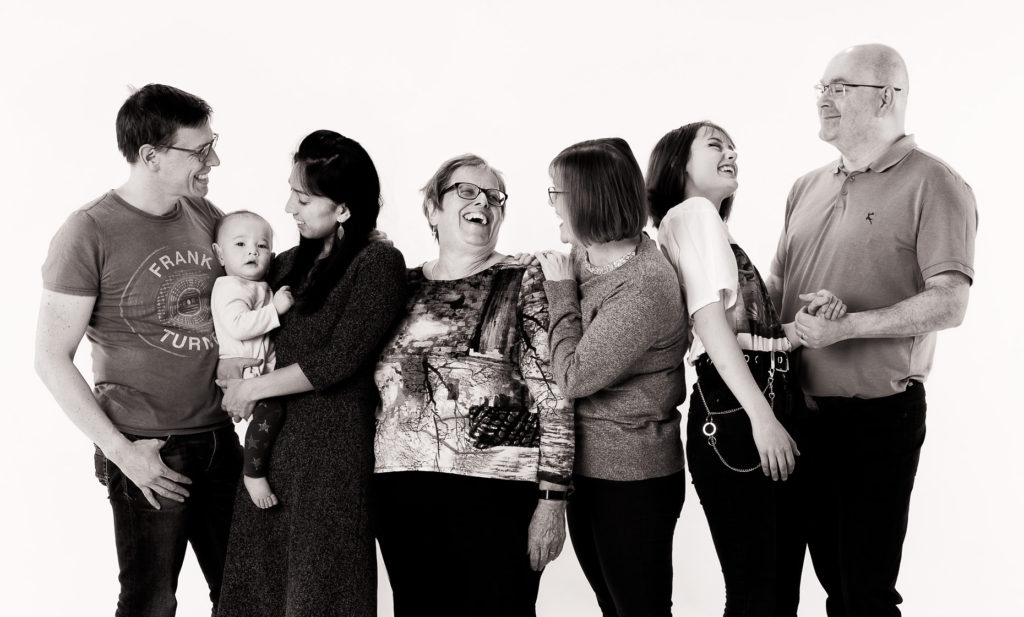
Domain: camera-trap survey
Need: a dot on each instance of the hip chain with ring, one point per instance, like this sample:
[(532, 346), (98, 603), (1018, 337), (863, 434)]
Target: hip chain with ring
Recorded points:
[(710, 428)]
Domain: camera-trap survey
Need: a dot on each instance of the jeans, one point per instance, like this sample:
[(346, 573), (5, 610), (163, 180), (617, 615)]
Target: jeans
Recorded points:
[(755, 522), (863, 455), (456, 545), (151, 543), (622, 534)]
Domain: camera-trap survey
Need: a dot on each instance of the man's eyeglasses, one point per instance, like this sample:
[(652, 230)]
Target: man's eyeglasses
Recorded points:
[(552, 191), (839, 89), (468, 190), (202, 152)]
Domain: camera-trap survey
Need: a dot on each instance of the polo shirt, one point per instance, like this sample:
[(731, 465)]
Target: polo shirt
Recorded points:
[(873, 237)]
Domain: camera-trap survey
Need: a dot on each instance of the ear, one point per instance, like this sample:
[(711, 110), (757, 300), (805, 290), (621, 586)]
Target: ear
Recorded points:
[(343, 213), (149, 157), (219, 252), (433, 214), (888, 99)]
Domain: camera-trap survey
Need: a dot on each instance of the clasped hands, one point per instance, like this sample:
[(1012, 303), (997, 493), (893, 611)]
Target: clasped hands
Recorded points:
[(822, 321)]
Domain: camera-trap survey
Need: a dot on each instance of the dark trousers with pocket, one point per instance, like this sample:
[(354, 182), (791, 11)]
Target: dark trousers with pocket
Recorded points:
[(151, 542)]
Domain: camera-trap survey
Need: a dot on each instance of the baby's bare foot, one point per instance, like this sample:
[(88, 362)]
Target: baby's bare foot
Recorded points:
[(259, 492)]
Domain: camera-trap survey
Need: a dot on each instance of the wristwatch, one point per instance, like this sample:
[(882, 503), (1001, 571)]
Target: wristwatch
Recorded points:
[(553, 495)]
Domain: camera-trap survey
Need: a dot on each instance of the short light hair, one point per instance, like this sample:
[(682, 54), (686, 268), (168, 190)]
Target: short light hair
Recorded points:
[(603, 190), (439, 181)]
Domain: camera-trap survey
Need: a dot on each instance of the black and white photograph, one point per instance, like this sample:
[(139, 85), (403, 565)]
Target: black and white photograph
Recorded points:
[(464, 308)]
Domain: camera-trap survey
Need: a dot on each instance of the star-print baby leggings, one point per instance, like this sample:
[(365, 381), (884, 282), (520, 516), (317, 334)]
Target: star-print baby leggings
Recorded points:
[(267, 418)]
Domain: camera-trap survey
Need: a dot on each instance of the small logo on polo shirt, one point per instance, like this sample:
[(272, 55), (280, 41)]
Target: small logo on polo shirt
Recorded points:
[(868, 218)]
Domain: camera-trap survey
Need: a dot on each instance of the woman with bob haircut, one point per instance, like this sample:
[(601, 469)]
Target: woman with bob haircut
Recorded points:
[(314, 554), (617, 347), (474, 443), (740, 404)]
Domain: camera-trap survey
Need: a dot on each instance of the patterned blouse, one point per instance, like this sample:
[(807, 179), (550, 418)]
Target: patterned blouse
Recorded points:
[(466, 385)]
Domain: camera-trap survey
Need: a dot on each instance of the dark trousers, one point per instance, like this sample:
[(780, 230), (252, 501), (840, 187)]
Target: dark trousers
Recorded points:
[(755, 522), (267, 420), (864, 455), (622, 534), (151, 543), (456, 545)]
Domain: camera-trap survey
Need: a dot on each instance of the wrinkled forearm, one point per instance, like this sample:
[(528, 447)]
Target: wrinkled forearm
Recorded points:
[(941, 305)]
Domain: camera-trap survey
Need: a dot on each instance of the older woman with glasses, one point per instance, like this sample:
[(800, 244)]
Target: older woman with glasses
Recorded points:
[(617, 345), (474, 443)]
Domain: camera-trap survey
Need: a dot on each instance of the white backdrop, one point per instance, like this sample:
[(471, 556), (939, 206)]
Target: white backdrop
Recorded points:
[(541, 75)]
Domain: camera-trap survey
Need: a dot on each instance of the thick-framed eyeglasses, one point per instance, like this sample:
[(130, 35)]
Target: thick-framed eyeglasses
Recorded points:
[(839, 89), (468, 190), (202, 152), (552, 191)]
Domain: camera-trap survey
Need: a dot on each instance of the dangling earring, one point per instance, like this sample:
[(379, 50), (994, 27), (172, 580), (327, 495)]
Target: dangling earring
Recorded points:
[(343, 216)]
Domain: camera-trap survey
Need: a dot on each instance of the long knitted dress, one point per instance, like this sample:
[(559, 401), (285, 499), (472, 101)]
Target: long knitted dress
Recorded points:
[(313, 554)]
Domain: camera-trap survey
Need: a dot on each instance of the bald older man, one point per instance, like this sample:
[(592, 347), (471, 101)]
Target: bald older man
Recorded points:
[(889, 229)]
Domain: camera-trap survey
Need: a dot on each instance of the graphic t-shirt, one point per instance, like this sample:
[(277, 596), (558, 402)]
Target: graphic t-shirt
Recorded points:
[(154, 351)]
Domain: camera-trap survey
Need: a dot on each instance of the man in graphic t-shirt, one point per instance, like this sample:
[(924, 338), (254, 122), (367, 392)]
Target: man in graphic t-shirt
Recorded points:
[(888, 228), (132, 271)]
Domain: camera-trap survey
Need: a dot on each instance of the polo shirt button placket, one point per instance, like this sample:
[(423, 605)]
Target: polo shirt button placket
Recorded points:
[(848, 179)]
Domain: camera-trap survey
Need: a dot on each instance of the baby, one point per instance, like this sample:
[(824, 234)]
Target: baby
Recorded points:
[(245, 310)]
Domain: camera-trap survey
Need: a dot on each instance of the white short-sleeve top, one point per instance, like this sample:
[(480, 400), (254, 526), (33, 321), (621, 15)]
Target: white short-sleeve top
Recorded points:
[(712, 268)]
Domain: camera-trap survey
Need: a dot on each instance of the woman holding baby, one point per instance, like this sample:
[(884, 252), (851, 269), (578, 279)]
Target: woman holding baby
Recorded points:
[(313, 553)]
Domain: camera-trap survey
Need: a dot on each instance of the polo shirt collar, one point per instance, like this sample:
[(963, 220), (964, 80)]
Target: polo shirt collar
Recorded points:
[(896, 153)]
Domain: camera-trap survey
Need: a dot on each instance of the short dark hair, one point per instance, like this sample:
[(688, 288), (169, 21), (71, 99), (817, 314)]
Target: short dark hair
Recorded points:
[(338, 168), (438, 182), (666, 171), (603, 190), (153, 114), (222, 220)]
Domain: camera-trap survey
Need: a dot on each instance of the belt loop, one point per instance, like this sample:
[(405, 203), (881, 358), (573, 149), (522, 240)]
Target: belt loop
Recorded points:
[(780, 360)]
